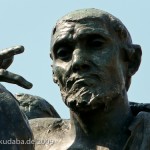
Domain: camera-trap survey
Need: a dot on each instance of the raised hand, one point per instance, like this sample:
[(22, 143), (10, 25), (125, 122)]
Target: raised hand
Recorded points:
[(6, 59)]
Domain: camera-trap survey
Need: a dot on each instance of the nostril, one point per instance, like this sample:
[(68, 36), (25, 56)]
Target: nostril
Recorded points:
[(85, 67), (79, 67), (75, 69)]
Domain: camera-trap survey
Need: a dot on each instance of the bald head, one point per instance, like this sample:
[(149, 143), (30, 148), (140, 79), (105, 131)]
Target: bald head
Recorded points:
[(96, 16)]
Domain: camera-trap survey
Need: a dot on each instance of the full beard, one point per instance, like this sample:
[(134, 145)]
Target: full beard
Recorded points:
[(86, 98)]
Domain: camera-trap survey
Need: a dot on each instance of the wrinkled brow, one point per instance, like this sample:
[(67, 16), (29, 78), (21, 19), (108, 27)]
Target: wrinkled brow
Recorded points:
[(85, 31), (79, 34)]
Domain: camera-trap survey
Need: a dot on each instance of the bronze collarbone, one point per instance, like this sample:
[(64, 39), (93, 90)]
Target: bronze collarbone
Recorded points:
[(54, 130)]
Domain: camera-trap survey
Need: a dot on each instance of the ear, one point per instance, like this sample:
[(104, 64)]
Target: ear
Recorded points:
[(134, 60)]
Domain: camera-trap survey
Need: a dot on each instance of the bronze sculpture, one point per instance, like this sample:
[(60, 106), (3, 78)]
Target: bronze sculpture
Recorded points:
[(35, 106), (15, 130), (93, 62)]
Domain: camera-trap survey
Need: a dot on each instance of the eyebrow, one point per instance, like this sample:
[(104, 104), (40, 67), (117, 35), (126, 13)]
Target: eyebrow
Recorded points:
[(89, 31), (59, 42), (60, 39), (79, 34)]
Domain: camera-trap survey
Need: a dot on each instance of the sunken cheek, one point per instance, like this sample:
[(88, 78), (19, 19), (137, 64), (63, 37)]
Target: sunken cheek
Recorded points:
[(60, 72)]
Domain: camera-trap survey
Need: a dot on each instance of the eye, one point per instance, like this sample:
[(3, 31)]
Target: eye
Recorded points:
[(63, 53), (95, 42)]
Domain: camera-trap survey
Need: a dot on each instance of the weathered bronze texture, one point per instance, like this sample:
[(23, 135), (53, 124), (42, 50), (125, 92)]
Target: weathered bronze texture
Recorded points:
[(15, 131), (94, 60), (35, 106)]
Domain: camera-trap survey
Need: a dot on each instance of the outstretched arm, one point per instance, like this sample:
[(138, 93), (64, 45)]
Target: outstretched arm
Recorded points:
[(6, 59), (14, 123)]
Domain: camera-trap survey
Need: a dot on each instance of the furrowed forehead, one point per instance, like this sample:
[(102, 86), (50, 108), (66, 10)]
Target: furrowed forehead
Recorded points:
[(90, 16), (82, 27), (84, 15), (101, 22)]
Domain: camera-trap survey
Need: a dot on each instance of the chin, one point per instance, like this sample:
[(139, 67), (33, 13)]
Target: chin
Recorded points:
[(87, 100)]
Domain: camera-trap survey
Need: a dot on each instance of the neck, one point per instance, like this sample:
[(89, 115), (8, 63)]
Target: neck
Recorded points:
[(101, 124)]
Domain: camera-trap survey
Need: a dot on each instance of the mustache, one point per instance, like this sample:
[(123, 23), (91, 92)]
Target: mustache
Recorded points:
[(70, 77), (84, 80)]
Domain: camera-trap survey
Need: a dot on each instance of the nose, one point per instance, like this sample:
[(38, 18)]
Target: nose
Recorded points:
[(80, 62)]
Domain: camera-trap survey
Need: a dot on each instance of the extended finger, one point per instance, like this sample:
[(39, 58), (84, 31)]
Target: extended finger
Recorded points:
[(9, 52), (6, 76), (6, 63)]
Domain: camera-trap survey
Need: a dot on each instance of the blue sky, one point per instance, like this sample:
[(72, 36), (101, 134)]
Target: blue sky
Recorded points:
[(29, 23)]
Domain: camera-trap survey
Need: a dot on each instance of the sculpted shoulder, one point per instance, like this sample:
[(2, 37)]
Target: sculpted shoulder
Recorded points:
[(50, 132), (35, 106), (140, 132), (3, 89), (14, 124)]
